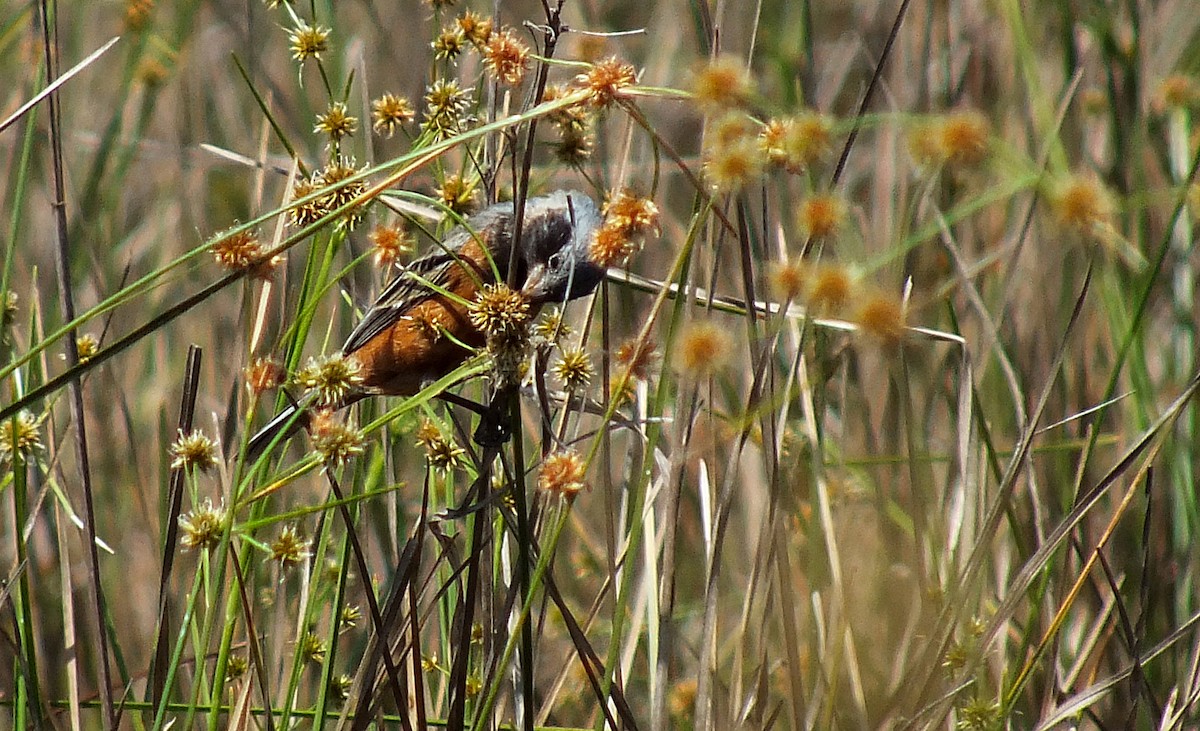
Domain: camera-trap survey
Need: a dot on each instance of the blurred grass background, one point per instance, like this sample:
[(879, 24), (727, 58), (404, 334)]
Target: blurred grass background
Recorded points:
[(835, 526)]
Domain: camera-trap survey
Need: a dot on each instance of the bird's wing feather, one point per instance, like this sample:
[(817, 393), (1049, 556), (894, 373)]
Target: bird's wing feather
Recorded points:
[(406, 291)]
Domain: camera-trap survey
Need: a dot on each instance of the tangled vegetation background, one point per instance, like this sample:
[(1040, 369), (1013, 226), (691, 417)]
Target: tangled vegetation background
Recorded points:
[(883, 417)]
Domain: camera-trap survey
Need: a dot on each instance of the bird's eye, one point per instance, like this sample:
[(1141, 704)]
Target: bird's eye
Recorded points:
[(555, 260)]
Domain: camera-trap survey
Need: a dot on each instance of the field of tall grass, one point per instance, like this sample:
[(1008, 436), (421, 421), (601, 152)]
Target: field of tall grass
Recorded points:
[(883, 416)]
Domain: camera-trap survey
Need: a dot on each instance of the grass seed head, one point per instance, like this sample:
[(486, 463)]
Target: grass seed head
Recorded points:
[(289, 548), (499, 312), (574, 369), (446, 110), (389, 112), (20, 435), (788, 279), (562, 474), (336, 123), (262, 375), (389, 242), (457, 193), (193, 451), (202, 527), (449, 44), (796, 143), (506, 57), (704, 348), (307, 41), (606, 81), (723, 83), (336, 441), (821, 215), (475, 28), (882, 317), (1082, 203), (829, 289), (332, 378)]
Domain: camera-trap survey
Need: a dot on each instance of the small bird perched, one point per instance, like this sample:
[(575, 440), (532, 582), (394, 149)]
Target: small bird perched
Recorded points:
[(414, 334)]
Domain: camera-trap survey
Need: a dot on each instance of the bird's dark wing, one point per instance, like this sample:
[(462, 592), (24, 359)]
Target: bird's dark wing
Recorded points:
[(406, 291)]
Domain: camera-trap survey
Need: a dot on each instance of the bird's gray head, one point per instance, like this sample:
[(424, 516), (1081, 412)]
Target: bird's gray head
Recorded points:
[(556, 237)]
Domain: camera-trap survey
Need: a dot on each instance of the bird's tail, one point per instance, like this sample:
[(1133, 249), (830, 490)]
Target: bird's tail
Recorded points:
[(286, 423)]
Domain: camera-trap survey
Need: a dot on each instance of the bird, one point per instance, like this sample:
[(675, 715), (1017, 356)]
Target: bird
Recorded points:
[(413, 334)]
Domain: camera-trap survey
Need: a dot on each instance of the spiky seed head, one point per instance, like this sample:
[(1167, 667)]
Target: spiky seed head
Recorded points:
[(703, 349), (829, 289), (448, 44), (457, 193), (476, 28), (796, 143), (339, 687), (289, 547), (336, 123), (263, 374), (638, 356), (331, 377), (193, 451), (306, 213), (788, 279), (499, 311), (551, 328), (1082, 203), (236, 668), (389, 112), (202, 527), (562, 474), (20, 435), (964, 136), (336, 441), (307, 41), (446, 109), (312, 648), (574, 369), (506, 57), (389, 241), (882, 317), (821, 215), (723, 83), (606, 81), (335, 177), (86, 346)]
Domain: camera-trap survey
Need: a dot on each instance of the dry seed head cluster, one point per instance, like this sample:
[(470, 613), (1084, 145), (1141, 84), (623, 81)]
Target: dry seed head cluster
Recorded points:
[(1082, 203), (446, 107), (448, 45), (289, 547), (703, 348), (499, 312), (336, 123), (882, 317), (562, 474), (441, 452), (193, 451), (574, 369), (723, 83), (733, 154), (20, 435), (263, 374), (457, 193), (202, 527), (606, 81), (628, 218), (960, 139), (340, 193), (506, 57), (332, 378), (389, 112), (796, 143), (308, 41), (241, 251), (86, 347), (389, 242), (821, 215), (336, 441), (475, 28)]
